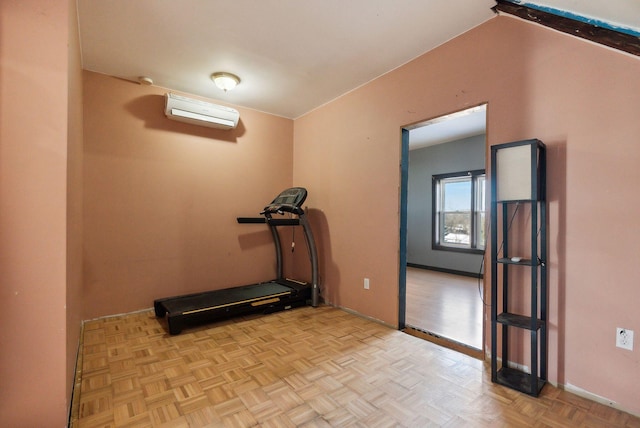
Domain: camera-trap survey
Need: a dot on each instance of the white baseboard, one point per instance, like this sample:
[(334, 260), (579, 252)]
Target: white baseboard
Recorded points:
[(593, 397), (572, 389)]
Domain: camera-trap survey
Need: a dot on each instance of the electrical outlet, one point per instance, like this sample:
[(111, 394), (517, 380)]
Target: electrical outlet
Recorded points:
[(366, 283), (624, 338)]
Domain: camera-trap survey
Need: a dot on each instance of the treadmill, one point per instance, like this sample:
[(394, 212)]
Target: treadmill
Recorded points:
[(264, 297)]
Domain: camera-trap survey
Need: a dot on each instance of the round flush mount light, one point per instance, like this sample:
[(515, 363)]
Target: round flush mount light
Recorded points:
[(225, 81), (145, 80)]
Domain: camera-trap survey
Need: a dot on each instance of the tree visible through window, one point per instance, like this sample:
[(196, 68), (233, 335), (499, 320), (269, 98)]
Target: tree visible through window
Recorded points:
[(459, 211)]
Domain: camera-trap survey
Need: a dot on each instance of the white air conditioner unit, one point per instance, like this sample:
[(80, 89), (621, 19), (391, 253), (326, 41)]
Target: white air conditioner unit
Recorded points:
[(201, 113)]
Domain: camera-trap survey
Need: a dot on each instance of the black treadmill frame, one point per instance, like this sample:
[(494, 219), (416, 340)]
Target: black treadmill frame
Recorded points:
[(199, 308)]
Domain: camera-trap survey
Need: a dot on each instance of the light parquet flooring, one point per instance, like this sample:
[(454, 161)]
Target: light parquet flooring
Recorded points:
[(307, 367)]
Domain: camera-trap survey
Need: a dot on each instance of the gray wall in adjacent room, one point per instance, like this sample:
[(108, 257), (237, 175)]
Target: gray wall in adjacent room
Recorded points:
[(456, 156)]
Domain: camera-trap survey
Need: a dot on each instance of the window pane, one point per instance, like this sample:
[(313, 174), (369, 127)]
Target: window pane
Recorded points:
[(456, 220), (457, 195), (457, 228), (459, 210), (480, 193), (480, 235), (480, 211)]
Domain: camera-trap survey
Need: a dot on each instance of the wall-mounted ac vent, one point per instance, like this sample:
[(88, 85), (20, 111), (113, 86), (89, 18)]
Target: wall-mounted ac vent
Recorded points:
[(201, 113)]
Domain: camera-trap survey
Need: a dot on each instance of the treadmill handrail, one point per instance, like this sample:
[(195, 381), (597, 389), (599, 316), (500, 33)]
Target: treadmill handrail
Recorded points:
[(270, 220), (291, 200), (256, 220)]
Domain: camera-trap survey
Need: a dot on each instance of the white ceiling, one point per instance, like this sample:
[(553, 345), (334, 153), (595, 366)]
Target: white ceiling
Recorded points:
[(448, 128), (292, 55)]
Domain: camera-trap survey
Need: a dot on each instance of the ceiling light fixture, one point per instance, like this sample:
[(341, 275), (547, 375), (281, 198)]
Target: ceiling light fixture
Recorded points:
[(225, 81), (145, 80)]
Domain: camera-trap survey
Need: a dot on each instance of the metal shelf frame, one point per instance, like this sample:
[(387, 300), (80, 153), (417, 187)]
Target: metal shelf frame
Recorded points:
[(534, 324)]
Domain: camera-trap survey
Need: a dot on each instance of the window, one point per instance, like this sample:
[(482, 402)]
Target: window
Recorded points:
[(459, 211)]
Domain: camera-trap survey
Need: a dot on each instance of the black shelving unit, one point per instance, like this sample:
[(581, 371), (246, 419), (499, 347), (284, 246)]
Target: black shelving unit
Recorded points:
[(518, 192)]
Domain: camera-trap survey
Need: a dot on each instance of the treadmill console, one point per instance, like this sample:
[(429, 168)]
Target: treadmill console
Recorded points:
[(289, 200)]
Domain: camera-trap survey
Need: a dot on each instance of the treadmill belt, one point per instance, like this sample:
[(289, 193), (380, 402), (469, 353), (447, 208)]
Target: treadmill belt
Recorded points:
[(226, 297)]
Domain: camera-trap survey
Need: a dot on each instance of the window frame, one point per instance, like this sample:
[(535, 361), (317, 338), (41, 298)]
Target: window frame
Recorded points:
[(436, 180)]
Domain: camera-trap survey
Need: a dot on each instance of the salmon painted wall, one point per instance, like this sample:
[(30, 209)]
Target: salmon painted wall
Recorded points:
[(161, 198), (581, 99), (75, 310), (33, 212)]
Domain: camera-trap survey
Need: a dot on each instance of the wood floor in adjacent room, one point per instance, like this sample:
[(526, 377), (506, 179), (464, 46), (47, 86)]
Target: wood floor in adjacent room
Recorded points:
[(444, 304), (307, 367)]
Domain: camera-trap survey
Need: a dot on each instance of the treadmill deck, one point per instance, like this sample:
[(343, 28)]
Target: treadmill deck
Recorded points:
[(263, 297)]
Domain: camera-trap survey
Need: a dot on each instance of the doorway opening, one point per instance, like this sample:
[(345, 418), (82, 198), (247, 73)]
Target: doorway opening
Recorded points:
[(442, 240)]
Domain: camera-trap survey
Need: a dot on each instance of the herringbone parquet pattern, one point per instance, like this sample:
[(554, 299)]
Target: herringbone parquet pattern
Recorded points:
[(309, 367)]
